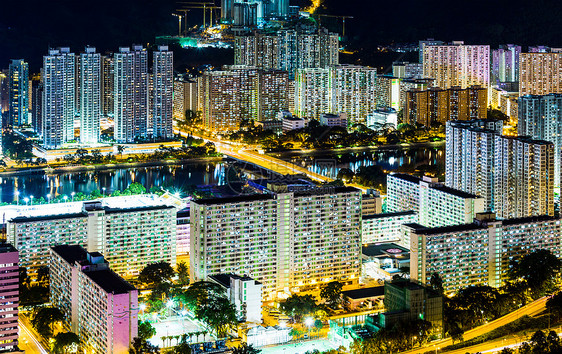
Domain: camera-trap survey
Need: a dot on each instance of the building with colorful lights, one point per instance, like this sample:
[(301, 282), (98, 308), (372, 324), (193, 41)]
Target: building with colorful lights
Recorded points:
[(9, 297), (19, 105), (99, 306), (288, 242), (478, 253), (59, 97), (457, 64), (540, 74), (505, 64), (386, 227), (90, 95)]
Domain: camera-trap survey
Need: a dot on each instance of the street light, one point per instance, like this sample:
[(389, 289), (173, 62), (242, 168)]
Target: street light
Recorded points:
[(309, 321), (48, 197), (103, 190), (17, 194), (65, 198), (72, 195), (31, 197), (26, 200)]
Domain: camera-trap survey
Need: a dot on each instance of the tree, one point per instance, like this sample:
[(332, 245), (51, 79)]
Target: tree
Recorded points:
[(331, 293), (66, 342), (345, 174), (298, 306), (209, 304), (436, 283), (146, 330), (554, 303), (244, 348), (44, 318), (183, 274), (507, 351), (120, 149), (538, 270), (156, 273), (141, 346)]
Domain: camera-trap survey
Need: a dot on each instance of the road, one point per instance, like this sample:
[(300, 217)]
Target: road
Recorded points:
[(532, 309), (27, 340), (249, 155)]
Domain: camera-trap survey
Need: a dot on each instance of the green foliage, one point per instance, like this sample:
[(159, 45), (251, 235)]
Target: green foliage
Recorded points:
[(371, 176), (183, 273), (146, 331), (141, 346), (436, 283), (16, 146), (396, 339), (538, 270), (209, 304), (156, 273), (65, 342), (244, 348), (298, 306), (44, 318), (331, 293)]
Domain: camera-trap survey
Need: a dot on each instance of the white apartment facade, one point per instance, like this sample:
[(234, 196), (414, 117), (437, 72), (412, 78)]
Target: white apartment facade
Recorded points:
[(386, 227), (90, 96)]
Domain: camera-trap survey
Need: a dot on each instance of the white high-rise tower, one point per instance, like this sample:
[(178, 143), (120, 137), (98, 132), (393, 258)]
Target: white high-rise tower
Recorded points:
[(90, 96)]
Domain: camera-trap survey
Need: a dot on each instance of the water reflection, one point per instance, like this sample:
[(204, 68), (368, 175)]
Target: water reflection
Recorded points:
[(177, 177)]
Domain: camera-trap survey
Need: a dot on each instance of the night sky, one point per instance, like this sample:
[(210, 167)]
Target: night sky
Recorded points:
[(29, 27)]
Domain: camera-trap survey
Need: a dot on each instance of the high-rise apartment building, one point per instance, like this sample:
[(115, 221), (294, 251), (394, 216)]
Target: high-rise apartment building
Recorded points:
[(439, 105), (505, 64), (540, 73), (130, 100), (130, 231), (288, 50), (240, 93), (434, 203), (18, 75), (386, 227), (9, 297), (427, 42), (469, 157), (263, 9), (59, 97), (287, 241), (37, 108), (350, 89), (99, 306), (90, 95), (540, 117), (523, 177), (478, 253), (457, 64), (162, 91), (185, 97), (108, 82), (406, 70)]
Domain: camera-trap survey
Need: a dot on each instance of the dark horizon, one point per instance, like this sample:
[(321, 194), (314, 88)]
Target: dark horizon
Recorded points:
[(109, 24)]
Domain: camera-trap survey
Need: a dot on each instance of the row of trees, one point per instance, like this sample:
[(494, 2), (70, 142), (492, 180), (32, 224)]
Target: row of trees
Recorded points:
[(539, 343)]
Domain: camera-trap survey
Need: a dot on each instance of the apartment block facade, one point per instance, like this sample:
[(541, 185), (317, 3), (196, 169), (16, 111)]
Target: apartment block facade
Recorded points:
[(478, 253), (100, 307), (9, 297), (540, 73), (286, 241), (386, 227)]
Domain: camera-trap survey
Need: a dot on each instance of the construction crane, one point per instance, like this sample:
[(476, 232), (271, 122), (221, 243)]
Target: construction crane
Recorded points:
[(190, 5), (335, 16)]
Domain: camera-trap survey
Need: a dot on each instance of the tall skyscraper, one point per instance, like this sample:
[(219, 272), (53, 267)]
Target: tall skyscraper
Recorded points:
[(540, 73), (238, 93), (505, 64), (288, 50), (162, 91), (90, 96), (427, 42), (289, 241), (19, 93), (540, 117), (59, 97), (469, 157), (131, 101), (108, 84), (457, 64), (99, 306), (263, 9), (312, 92), (37, 108), (9, 297), (523, 177)]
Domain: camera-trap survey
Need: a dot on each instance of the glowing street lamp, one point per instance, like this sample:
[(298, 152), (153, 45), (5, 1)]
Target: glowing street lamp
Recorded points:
[(26, 200), (65, 198), (31, 197), (309, 322), (103, 191), (17, 194), (48, 197), (72, 195)]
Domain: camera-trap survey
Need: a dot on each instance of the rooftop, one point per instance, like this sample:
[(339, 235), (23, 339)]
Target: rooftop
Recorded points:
[(388, 215), (422, 230), (7, 247), (109, 281), (406, 177), (236, 199), (70, 253), (455, 192), (385, 250), (364, 293), (224, 279)]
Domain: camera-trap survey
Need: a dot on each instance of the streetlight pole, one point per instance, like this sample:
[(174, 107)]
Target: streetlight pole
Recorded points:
[(72, 195), (31, 197)]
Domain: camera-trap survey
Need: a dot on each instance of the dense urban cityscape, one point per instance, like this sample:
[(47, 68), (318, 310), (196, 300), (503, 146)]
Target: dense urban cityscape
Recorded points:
[(262, 179)]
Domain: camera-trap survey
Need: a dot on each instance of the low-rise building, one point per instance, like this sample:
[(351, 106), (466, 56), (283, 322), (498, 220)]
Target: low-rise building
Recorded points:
[(371, 203), (364, 298), (9, 297), (292, 123), (333, 120), (383, 118), (100, 307), (244, 293), (276, 126)]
